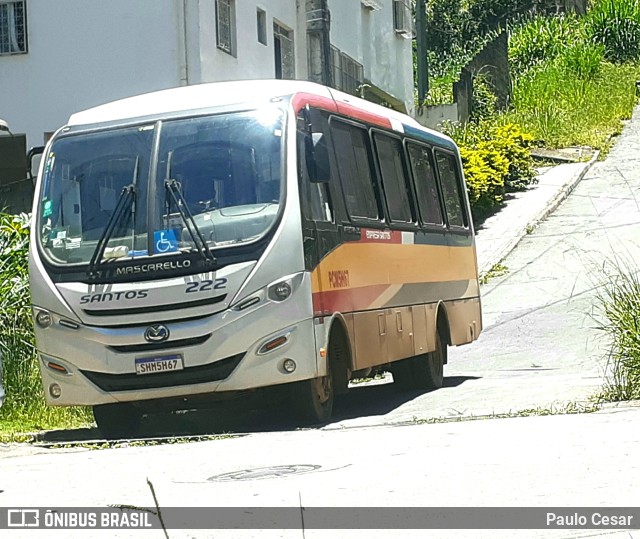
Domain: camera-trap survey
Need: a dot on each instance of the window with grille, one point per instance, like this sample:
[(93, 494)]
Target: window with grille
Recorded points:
[(225, 25), (284, 52), (13, 27), (403, 18), (348, 74), (352, 74)]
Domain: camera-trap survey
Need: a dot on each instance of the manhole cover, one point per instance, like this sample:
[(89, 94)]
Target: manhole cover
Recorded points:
[(268, 472)]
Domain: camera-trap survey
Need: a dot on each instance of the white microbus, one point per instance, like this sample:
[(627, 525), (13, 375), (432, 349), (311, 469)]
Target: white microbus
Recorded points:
[(232, 236)]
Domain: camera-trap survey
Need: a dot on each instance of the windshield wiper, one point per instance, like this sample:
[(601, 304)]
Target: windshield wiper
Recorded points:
[(127, 197), (172, 187)]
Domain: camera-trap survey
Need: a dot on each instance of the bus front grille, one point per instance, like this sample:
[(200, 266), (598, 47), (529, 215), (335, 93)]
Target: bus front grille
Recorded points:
[(149, 347), (212, 372)]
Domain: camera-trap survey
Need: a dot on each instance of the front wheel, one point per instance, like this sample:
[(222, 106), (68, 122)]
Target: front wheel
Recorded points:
[(313, 399), (120, 420)]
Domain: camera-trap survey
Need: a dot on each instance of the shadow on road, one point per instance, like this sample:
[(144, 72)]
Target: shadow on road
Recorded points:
[(260, 413)]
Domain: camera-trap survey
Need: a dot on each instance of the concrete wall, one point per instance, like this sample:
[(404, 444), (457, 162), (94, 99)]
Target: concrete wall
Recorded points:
[(434, 116), (368, 36)]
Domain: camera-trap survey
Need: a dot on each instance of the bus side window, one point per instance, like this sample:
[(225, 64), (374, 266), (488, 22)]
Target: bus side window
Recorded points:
[(450, 182), (394, 178), (352, 151), (424, 177)]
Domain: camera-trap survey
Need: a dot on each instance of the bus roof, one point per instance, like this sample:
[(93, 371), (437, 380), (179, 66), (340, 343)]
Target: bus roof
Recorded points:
[(206, 96)]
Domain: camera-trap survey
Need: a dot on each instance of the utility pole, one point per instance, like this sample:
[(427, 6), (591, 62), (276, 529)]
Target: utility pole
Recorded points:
[(421, 51), (318, 41)]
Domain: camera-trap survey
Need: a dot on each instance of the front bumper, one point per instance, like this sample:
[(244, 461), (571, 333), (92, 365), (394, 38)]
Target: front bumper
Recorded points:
[(228, 355)]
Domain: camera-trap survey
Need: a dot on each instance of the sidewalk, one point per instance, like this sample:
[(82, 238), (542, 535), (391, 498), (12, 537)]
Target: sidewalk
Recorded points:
[(500, 234)]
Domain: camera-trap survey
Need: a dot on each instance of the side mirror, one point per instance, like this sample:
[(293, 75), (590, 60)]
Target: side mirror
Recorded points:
[(315, 149), (318, 159), (33, 152)]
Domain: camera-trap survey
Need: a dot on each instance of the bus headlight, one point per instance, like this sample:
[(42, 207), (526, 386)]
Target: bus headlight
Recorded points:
[(43, 319), (280, 291)]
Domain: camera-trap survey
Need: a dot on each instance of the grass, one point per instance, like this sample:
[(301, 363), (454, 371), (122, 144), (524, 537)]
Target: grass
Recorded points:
[(618, 314), (497, 270), (562, 409), (563, 110), (24, 409)]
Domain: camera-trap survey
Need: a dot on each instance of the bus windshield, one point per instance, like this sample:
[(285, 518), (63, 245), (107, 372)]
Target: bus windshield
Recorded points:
[(155, 189)]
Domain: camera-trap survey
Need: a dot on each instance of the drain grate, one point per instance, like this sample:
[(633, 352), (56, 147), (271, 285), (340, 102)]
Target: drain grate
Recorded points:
[(268, 472)]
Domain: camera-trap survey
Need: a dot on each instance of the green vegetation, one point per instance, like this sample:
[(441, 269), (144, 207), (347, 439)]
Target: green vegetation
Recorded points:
[(618, 309), (496, 161), (573, 84), (497, 270), (554, 409), (458, 29), (616, 25), (541, 39), (24, 408)]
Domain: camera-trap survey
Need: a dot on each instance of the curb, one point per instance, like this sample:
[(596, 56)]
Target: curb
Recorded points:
[(551, 206)]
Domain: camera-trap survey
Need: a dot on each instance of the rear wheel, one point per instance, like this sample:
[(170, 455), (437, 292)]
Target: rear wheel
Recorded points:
[(429, 368), (120, 420), (425, 371)]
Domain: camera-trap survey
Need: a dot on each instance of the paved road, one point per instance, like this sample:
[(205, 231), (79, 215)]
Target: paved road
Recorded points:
[(569, 460)]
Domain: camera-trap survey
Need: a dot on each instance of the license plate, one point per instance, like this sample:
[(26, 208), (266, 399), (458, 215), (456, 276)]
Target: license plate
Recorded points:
[(152, 365)]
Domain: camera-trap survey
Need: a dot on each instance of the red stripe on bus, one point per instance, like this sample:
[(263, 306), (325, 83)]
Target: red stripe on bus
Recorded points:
[(372, 235), (301, 100), (365, 116), (346, 300)]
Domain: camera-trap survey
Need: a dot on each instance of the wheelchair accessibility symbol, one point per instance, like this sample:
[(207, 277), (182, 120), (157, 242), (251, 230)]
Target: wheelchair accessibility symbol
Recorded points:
[(165, 241)]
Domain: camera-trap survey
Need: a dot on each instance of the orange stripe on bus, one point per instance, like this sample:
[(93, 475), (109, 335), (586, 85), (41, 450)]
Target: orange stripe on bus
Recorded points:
[(346, 300), (355, 265)]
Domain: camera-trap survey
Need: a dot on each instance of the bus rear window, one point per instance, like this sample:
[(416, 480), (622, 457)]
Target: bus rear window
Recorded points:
[(450, 181)]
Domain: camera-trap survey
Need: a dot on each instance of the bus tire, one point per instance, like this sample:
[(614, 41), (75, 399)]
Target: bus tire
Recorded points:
[(120, 420), (402, 372), (428, 369), (312, 399)]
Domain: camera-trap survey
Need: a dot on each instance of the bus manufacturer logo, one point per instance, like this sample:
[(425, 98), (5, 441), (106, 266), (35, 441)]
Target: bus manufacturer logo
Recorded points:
[(156, 333)]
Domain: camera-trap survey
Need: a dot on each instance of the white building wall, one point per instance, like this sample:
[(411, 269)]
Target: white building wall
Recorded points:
[(368, 36), (86, 52), (251, 59), (83, 53)]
